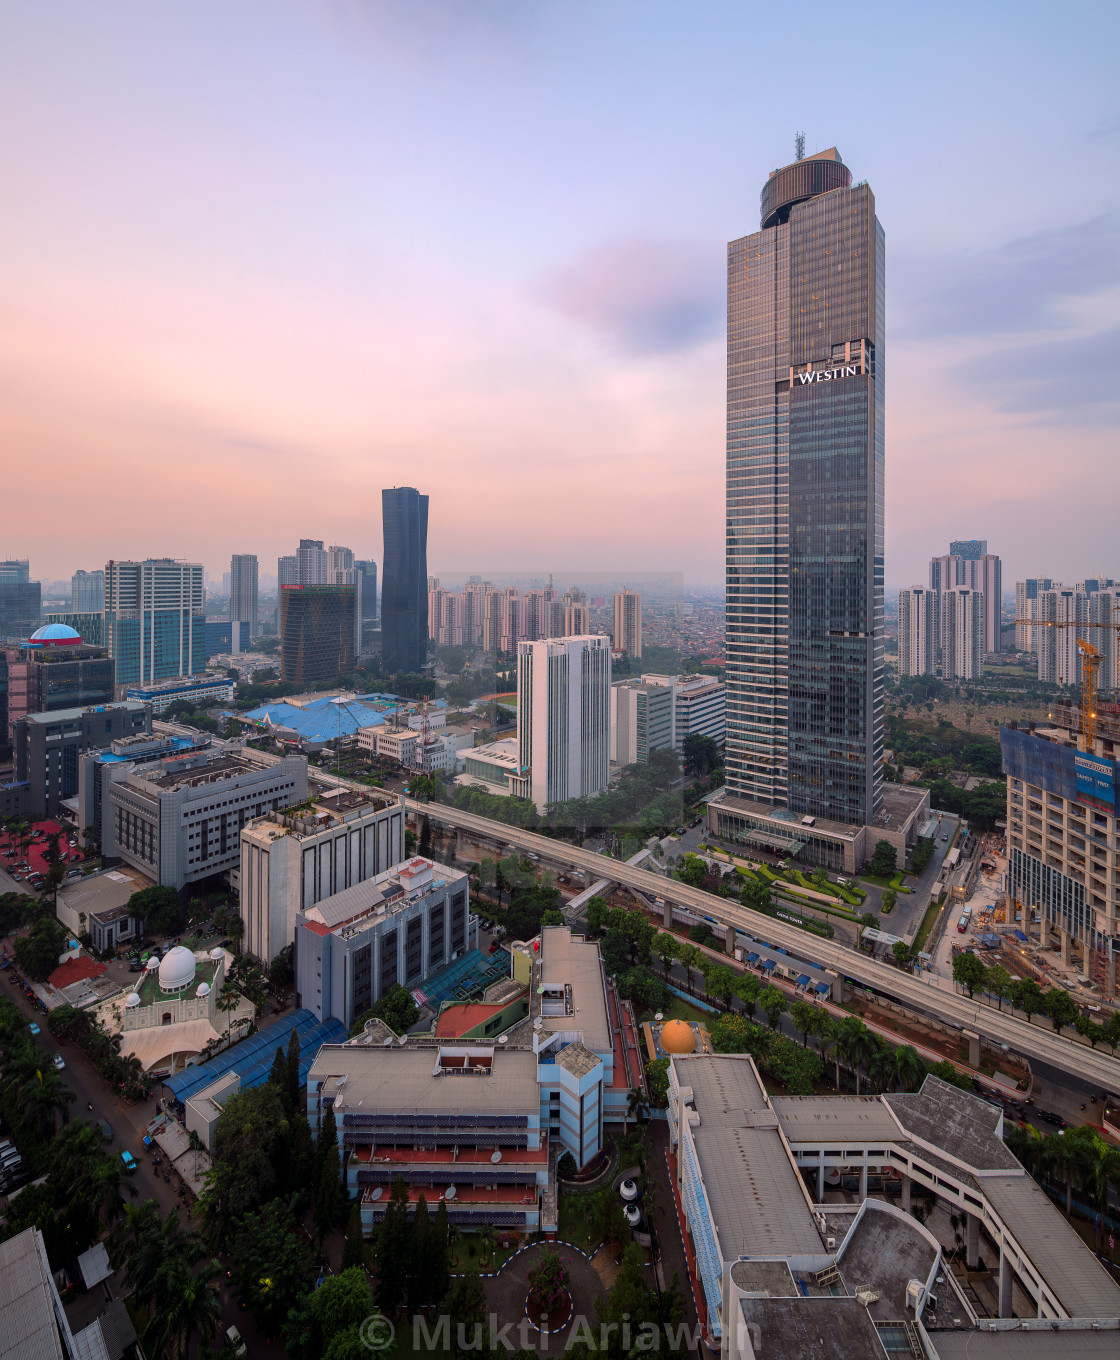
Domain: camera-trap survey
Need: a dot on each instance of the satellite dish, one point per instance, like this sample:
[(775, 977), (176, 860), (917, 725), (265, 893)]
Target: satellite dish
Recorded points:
[(659, 1016), (449, 1193), (503, 1038), (376, 1192), (495, 1156)]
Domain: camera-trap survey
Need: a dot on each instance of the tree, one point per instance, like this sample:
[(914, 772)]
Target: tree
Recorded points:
[(37, 953), (701, 754), (468, 1310), (884, 860), (866, 922), (772, 1003), (755, 894), (330, 1198), (393, 1250), (901, 951), (160, 908), (274, 1264), (999, 983), (15, 909), (439, 1265), (329, 1322), (229, 998), (665, 947), (806, 1017), (888, 900), (1028, 997), (657, 1080), (721, 984), (1060, 1008), (692, 870), (395, 1007), (419, 1256), (293, 1064), (969, 972), (909, 1068), (747, 989), (796, 1068), (610, 1221), (248, 1159), (281, 972), (597, 911), (425, 847), (278, 1079)]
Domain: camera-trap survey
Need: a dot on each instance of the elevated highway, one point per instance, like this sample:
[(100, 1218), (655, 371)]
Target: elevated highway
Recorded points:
[(1036, 1043)]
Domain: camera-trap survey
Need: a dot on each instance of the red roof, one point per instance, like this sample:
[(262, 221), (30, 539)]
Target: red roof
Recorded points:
[(74, 970), (456, 1020), (317, 927)]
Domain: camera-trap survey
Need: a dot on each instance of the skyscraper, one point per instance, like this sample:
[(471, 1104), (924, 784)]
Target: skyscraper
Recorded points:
[(243, 590), (316, 632), (21, 600), (971, 549), (287, 571), (962, 633), (563, 718), (87, 592), (969, 563), (628, 623), (1026, 593), (916, 631), (805, 457), (404, 585), (311, 560), (155, 627)]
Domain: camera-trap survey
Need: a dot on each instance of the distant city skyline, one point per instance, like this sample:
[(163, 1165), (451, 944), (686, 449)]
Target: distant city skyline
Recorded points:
[(255, 310)]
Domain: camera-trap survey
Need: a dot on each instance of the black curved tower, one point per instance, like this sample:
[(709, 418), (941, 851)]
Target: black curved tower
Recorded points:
[(404, 581)]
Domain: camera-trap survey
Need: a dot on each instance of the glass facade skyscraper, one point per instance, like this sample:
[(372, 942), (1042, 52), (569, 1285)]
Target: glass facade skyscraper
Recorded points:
[(404, 581), (805, 498)]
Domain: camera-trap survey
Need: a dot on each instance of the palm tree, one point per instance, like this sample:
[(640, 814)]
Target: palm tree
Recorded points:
[(43, 1097), (1102, 1170), (189, 1305), (229, 998), (909, 1067), (832, 1044), (858, 1044), (882, 1070)]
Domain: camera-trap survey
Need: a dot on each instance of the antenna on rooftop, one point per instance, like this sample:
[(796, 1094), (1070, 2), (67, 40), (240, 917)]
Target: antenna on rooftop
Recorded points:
[(799, 146)]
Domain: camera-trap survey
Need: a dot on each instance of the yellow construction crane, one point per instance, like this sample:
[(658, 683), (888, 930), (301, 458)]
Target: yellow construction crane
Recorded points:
[(1090, 666)]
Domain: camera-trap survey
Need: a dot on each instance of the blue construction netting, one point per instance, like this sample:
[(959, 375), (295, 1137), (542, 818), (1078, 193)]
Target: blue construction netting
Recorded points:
[(465, 978), (252, 1058)]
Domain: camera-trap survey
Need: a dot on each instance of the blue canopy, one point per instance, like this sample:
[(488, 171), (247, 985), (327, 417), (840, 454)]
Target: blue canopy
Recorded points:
[(822, 987), (1020, 936), (803, 980), (768, 964), (752, 959)]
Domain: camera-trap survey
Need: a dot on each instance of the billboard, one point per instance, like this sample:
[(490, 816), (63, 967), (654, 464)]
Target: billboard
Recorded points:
[(1095, 781)]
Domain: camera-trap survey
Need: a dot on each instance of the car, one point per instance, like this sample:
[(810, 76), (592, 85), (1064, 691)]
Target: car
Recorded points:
[(1049, 1117), (73, 873), (128, 1161), (135, 966), (17, 878), (59, 1062), (72, 844), (34, 1028), (234, 1337)]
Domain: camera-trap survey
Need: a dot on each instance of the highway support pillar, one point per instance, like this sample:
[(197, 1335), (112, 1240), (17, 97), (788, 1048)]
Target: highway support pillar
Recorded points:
[(1065, 945), (863, 1179), (1005, 1279), (972, 1249), (667, 919), (729, 941), (973, 1048)]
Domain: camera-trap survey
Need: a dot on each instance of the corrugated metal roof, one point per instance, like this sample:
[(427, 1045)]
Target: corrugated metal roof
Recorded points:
[(27, 1326), (403, 1080), (847, 1119)]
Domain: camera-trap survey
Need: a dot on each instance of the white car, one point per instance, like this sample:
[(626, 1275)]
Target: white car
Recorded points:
[(59, 1064), (235, 1340)]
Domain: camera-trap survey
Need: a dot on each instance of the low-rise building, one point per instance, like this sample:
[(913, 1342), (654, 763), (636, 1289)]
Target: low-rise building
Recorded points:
[(49, 747), (493, 767), (172, 1014), (303, 853), (204, 1108), (96, 768), (398, 744), (394, 928), (474, 1121), (180, 820), (191, 689)]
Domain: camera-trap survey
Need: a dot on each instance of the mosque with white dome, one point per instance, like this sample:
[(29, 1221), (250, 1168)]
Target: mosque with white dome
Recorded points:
[(172, 1014)]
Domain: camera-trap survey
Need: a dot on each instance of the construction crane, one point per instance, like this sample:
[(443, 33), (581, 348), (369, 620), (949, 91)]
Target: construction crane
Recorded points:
[(1090, 667)]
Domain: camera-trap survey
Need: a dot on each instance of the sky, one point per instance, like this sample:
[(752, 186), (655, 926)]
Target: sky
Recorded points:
[(261, 260)]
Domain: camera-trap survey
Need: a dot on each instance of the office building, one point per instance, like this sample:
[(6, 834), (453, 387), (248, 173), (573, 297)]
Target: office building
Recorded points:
[(392, 929), (243, 591), (89, 627), (155, 626), (201, 691), (699, 706), (918, 626), (20, 601), (297, 856), (805, 459), (628, 624), (48, 748), (788, 1267), (510, 630), (404, 589), (493, 768), (1059, 661), (227, 637), (317, 630), (563, 718), (180, 821), (970, 549), (55, 670), (87, 592), (287, 571), (97, 767), (1062, 837), (371, 633), (641, 720), (962, 633), (481, 1108)]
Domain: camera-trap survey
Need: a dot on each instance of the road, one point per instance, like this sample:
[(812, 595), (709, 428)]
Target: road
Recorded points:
[(920, 992)]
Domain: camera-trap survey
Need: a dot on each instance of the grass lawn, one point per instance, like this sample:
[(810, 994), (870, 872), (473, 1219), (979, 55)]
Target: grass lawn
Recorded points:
[(926, 926), (680, 1010), (575, 1221)]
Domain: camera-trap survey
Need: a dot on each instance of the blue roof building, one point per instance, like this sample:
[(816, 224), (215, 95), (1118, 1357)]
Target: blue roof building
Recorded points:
[(331, 716)]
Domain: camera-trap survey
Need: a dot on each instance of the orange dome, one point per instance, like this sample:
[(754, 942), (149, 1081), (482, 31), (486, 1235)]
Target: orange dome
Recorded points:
[(677, 1037)]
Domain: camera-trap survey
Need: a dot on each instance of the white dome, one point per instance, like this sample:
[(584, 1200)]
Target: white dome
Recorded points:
[(217, 955), (177, 969), (203, 989), (131, 1000), (152, 964)]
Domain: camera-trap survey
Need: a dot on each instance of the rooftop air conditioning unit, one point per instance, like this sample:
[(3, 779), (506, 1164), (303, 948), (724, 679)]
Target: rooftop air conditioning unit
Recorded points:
[(830, 1243)]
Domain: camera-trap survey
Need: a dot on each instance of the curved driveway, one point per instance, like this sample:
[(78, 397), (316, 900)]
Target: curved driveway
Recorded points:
[(1070, 1055)]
